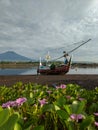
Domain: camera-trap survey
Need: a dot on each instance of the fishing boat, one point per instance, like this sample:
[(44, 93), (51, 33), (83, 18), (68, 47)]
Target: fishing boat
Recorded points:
[(54, 70), (57, 70)]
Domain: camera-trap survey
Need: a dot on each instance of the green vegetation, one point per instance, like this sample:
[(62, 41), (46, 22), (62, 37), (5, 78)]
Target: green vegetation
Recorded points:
[(30, 64), (37, 107), (4, 64)]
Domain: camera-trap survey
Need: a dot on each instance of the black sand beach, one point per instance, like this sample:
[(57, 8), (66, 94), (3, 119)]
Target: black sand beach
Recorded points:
[(85, 81)]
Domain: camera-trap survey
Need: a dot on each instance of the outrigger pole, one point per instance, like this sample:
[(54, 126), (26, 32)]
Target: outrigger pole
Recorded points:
[(79, 46), (84, 42)]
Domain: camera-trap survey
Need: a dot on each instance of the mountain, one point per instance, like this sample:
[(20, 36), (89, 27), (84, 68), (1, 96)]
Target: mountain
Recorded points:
[(12, 56)]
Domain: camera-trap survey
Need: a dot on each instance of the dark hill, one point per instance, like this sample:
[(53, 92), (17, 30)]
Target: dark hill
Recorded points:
[(12, 56)]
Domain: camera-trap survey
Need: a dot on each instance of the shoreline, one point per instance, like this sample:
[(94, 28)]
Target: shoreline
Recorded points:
[(5, 64), (84, 80)]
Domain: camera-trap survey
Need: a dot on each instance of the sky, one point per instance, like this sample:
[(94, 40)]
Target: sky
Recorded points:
[(34, 27)]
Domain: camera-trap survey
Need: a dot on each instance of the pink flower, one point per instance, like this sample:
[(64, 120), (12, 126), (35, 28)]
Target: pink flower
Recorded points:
[(76, 117), (57, 87), (20, 101), (96, 114), (49, 91), (62, 86), (42, 102), (68, 96), (9, 104), (81, 99), (96, 123)]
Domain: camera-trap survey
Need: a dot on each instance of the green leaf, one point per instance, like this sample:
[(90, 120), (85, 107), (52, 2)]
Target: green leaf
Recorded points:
[(39, 128), (77, 107), (10, 123), (91, 127), (17, 126), (87, 122), (4, 115), (61, 101), (68, 109), (1, 108), (48, 107), (56, 107), (62, 114), (70, 125), (29, 128)]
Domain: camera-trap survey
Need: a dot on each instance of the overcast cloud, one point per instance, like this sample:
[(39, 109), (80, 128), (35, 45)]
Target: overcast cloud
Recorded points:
[(31, 27)]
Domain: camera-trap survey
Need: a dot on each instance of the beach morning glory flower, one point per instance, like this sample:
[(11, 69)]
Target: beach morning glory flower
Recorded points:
[(76, 117), (15, 103), (62, 86), (96, 114), (20, 101), (81, 99), (9, 104), (68, 96), (49, 91), (42, 102), (96, 123)]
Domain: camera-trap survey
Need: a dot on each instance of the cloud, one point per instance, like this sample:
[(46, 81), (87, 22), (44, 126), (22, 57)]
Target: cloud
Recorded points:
[(31, 27)]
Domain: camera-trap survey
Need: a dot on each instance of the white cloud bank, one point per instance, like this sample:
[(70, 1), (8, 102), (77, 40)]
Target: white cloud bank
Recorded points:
[(30, 27)]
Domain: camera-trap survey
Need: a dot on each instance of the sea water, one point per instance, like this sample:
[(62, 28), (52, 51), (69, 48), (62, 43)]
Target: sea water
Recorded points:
[(83, 71), (33, 71)]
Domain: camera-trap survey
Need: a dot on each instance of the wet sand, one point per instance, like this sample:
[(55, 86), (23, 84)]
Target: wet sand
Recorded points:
[(85, 81)]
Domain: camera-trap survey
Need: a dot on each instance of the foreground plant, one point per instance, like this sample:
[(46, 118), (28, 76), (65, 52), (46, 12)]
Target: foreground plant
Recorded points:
[(36, 107)]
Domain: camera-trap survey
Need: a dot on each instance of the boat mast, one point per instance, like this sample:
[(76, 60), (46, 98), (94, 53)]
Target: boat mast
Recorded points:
[(40, 63)]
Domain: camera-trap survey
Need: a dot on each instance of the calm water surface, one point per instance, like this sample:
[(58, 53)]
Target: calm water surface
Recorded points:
[(84, 71), (33, 71)]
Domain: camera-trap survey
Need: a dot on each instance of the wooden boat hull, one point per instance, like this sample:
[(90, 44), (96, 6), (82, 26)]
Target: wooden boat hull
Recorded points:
[(57, 71)]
